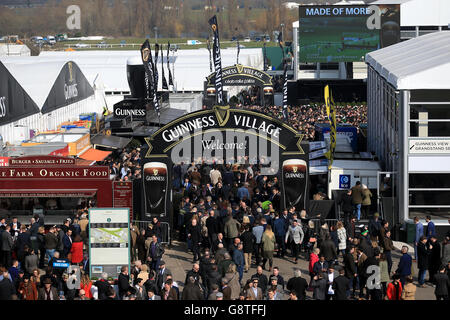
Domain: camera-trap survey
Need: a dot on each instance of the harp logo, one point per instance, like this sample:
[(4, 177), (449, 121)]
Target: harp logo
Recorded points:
[(222, 114), (145, 54)]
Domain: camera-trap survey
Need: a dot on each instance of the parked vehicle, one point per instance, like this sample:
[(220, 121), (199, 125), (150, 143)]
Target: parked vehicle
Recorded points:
[(81, 45), (102, 44), (51, 40), (193, 42)]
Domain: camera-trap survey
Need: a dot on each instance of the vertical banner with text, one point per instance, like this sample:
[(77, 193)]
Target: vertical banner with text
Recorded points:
[(217, 60)]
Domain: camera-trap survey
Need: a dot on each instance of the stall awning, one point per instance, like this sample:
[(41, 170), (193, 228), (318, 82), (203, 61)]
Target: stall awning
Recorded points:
[(95, 155), (48, 193), (111, 142)]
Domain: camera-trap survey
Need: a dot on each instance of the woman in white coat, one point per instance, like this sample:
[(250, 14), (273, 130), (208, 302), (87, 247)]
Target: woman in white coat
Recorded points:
[(342, 237)]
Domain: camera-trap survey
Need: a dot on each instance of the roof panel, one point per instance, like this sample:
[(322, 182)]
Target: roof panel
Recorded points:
[(413, 64)]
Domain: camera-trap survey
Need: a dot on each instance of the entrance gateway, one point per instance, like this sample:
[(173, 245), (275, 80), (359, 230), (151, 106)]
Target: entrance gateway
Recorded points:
[(224, 135), (242, 76)]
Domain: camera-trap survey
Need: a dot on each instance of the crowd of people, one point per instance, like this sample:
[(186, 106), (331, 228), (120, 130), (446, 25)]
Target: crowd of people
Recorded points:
[(304, 117), (231, 219)]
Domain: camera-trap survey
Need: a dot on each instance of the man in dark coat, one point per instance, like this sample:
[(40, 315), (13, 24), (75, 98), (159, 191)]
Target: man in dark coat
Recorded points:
[(194, 231), (350, 268), (123, 282), (155, 253), (226, 290), (328, 250), (423, 254), (442, 285), (434, 261), (192, 290), (161, 276), (346, 203), (262, 279), (375, 226), (248, 240), (103, 287), (213, 277), (7, 246), (298, 284), (7, 289), (340, 285), (194, 273), (212, 224)]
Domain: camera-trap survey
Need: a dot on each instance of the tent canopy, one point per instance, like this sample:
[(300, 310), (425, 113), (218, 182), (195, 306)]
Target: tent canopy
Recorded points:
[(419, 63), (50, 84), (95, 155)]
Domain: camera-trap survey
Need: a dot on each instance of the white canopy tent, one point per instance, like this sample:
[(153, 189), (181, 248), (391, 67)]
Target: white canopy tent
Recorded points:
[(419, 63), (46, 83)]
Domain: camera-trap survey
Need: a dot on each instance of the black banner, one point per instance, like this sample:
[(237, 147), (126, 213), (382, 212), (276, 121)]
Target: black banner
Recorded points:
[(134, 108), (285, 93), (155, 83), (146, 54), (208, 46), (285, 88), (168, 65), (164, 82), (15, 103), (217, 61), (238, 51), (71, 86)]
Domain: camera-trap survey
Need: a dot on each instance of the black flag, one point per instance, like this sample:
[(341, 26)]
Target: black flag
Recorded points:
[(149, 66), (217, 60), (168, 65), (164, 82), (146, 54), (238, 50), (155, 66), (208, 46), (285, 80)]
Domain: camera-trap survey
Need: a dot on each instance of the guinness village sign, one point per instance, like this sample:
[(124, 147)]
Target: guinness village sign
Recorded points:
[(224, 135), (239, 75)]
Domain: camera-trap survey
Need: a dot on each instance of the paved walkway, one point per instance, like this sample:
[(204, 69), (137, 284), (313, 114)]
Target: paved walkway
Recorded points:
[(179, 261)]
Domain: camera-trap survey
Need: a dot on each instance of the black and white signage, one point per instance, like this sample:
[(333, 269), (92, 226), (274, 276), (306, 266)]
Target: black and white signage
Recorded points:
[(2, 107), (130, 108), (71, 86)]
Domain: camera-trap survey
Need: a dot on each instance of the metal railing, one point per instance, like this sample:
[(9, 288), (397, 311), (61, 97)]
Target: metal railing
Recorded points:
[(165, 229)]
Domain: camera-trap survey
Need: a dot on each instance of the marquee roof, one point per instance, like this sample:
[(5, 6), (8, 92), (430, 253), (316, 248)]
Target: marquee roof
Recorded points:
[(419, 63)]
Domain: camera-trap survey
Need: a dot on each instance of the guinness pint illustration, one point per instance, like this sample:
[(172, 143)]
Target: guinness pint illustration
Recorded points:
[(155, 188), (294, 182)]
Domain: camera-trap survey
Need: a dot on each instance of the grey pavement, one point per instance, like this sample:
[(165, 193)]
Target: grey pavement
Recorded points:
[(179, 260)]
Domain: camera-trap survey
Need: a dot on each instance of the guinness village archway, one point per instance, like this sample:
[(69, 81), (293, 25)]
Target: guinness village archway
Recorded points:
[(224, 135), (239, 75)]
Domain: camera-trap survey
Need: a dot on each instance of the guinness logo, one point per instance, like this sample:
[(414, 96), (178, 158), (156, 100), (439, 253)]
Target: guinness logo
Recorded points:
[(155, 172), (295, 169), (2, 107), (214, 27), (145, 54), (240, 68), (222, 114), (70, 65)]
